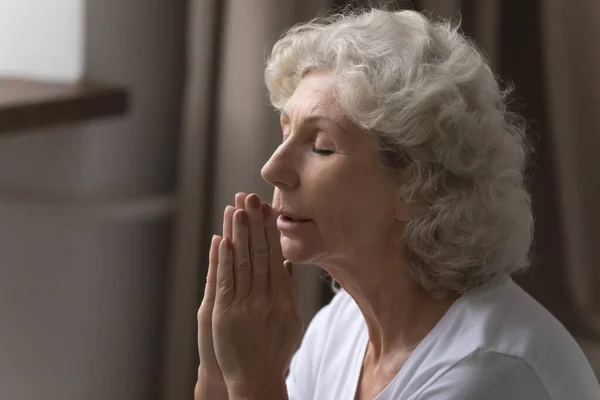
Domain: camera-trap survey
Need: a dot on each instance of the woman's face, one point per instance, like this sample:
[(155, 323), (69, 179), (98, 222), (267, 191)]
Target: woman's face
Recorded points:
[(325, 173)]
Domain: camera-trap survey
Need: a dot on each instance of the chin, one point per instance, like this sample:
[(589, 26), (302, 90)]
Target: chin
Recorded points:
[(297, 251)]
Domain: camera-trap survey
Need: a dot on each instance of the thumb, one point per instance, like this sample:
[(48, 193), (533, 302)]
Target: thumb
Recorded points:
[(289, 268)]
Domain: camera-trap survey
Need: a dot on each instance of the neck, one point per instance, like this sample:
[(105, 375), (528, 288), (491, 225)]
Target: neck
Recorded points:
[(398, 312)]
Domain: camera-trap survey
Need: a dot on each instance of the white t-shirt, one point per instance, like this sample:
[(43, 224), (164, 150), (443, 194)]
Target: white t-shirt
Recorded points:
[(494, 343)]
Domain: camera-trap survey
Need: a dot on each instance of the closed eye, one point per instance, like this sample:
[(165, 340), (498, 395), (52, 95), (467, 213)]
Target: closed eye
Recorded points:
[(322, 152)]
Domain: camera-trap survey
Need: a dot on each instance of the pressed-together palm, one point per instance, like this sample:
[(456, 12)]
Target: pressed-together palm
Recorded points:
[(249, 323)]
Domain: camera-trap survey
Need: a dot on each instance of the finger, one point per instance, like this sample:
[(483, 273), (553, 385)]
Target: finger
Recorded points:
[(227, 221), (225, 277), (211, 277), (205, 313), (240, 199), (289, 268), (259, 249), (276, 271), (241, 258)]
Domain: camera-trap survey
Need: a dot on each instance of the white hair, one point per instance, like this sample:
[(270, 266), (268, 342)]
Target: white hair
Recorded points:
[(435, 106)]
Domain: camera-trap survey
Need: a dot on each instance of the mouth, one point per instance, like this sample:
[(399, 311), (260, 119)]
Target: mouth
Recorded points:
[(290, 217), (290, 222), (293, 220)]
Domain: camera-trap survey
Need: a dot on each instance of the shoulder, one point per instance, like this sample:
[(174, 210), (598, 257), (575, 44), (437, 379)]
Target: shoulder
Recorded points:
[(487, 375), (499, 338), (506, 320)]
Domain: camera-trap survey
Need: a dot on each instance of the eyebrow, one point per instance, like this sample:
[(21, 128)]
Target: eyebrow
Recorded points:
[(316, 117)]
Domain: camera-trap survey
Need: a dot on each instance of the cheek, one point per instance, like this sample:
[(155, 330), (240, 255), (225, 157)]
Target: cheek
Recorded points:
[(334, 201), (355, 211), (350, 198)]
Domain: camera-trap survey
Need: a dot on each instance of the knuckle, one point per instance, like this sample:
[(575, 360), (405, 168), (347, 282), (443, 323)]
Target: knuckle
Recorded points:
[(225, 285), (204, 316), (260, 252), (243, 265)]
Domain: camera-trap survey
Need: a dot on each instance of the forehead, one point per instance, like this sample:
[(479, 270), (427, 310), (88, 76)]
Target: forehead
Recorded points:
[(315, 94)]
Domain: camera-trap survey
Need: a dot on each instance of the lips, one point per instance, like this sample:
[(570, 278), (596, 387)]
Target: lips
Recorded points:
[(289, 223), (292, 217)]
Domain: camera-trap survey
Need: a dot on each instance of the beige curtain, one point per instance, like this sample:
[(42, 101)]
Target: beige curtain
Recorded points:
[(573, 74), (229, 131), (572, 57)]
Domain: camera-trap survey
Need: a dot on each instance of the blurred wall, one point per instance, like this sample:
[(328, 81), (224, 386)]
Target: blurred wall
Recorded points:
[(85, 216)]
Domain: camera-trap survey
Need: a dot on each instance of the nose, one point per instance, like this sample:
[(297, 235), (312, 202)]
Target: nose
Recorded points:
[(280, 170)]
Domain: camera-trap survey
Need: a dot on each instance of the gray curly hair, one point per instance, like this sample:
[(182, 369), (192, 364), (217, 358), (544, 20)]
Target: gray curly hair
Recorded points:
[(435, 106)]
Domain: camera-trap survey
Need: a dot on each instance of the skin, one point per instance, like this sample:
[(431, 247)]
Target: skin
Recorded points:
[(326, 170), (356, 222), (249, 322)]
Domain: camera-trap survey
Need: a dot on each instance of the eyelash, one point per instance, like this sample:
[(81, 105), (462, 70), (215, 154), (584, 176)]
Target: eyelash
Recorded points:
[(322, 152)]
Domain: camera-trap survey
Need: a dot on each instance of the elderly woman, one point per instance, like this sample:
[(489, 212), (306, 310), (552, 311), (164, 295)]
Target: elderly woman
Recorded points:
[(400, 173)]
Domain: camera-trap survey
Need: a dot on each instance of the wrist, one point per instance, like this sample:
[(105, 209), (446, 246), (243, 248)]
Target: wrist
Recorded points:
[(266, 389), (210, 386), (205, 390)]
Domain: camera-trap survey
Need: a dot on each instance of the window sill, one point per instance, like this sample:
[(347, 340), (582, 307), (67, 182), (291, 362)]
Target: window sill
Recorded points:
[(28, 104)]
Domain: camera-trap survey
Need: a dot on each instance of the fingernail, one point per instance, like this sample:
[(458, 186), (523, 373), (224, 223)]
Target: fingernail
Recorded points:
[(254, 201)]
